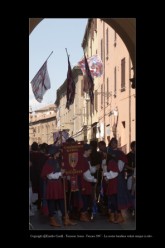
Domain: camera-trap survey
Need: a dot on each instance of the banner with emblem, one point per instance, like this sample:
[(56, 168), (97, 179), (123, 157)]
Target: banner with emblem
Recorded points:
[(95, 66), (72, 156)]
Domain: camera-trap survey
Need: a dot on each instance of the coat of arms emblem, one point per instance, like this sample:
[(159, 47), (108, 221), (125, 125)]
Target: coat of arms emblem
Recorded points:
[(73, 159)]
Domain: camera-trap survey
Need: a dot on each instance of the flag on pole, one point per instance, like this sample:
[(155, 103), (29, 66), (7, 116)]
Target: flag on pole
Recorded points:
[(41, 83), (89, 80), (60, 137), (70, 86), (85, 83), (95, 65)]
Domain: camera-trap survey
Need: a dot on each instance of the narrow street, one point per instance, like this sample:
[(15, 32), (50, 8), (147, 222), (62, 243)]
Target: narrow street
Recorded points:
[(100, 222)]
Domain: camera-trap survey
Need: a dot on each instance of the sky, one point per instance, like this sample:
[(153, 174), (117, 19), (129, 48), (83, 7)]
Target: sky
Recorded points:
[(54, 35)]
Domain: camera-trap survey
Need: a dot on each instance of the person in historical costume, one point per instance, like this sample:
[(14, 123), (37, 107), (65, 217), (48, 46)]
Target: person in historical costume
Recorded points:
[(52, 174), (31, 213), (130, 170), (72, 163), (37, 159), (130, 166), (118, 195), (103, 199), (96, 160), (86, 183)]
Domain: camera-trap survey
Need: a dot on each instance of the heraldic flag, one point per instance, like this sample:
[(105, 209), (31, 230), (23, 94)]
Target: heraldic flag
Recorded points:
[(95, 66), (41, 83), (89, 82), (70, 86)]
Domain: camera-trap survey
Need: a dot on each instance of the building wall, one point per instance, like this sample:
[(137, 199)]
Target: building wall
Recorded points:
[(116, 107), (90, 46), (42, 124), (71, 120), (78, 112)]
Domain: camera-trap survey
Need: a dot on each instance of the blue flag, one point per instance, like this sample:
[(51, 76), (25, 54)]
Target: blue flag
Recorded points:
[(41, 83)]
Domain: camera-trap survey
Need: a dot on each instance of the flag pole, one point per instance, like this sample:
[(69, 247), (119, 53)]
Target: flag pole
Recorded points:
[(47, 59), (67, 52), (65, 204), (49, 56)]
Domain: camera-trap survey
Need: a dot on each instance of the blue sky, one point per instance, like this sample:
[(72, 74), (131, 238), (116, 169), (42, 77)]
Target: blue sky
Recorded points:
[(54, 35)]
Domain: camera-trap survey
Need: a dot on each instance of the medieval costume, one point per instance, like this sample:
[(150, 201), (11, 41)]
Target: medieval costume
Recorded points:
[(118, 195), (52, 175)]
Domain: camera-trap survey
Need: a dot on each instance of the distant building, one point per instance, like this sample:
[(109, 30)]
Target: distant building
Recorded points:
[(42, 124), (71, 120)]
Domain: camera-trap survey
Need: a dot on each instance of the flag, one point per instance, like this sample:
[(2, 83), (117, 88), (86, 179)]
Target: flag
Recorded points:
[(95, 65), (60, 137), (70, 86), (89, 80), (85, 83), (41, 83)]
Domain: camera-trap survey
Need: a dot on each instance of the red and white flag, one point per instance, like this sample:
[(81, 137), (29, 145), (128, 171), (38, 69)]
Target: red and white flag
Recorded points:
[(41, 83), (95, 66)]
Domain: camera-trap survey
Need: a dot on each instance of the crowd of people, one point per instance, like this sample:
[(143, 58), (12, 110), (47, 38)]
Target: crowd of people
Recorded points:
[(106, 182)]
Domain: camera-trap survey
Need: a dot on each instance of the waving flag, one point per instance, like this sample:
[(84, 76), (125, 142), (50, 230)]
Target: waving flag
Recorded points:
[(41, 83), (60, 137), (95, 66), (89, 81), (70, 86)]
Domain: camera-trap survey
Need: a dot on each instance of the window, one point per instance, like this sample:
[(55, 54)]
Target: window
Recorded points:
[(102, 49), (115, 38), (123, 123), (96, 100), (82, 87), (91, 109), (92, 30), (107, 91), (115, 91), (107, 44), (123, 75), (101, 96), (95, 24)]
